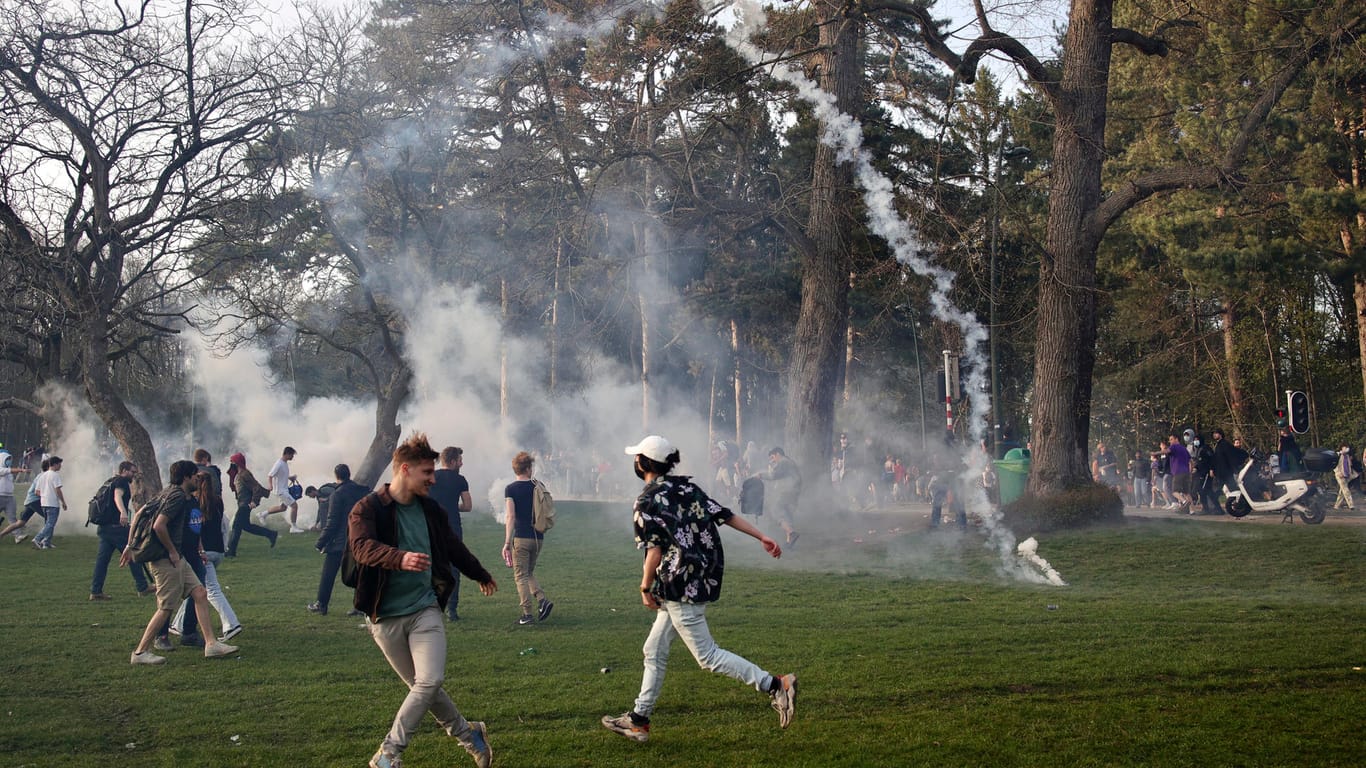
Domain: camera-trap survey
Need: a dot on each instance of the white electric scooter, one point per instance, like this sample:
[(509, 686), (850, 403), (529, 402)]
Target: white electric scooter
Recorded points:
[(1290, 493)]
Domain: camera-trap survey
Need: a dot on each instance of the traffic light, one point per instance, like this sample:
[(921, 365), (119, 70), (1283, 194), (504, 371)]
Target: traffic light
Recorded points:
[(1298, 412)]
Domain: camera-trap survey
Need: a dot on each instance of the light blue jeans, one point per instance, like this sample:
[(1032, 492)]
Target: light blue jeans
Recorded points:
[(217, 599), (689, 621), (415, 646), (51, 514)]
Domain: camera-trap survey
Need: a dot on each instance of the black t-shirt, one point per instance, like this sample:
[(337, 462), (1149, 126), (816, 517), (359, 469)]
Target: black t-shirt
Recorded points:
[(119, 484), (524, 512), (446, 491)]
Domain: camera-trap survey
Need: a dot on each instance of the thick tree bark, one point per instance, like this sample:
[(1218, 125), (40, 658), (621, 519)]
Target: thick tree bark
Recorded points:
[(818, 346), (387, 429), (1064, 352), (133, 438)]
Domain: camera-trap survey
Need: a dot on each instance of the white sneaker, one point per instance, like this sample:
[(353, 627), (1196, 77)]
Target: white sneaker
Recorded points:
[(261, 517), (218, 649), (296, 529), (20, 538), (146, 657)]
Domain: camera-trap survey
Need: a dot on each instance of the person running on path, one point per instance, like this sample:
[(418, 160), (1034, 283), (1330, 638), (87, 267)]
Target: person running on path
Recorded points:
[(677, 526)]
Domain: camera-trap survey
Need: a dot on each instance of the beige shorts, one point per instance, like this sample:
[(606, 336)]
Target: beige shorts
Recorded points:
[(174, 583), (278, 499)]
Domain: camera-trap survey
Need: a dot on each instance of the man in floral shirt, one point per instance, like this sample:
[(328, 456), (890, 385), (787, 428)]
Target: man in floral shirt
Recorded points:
[(676, 524)]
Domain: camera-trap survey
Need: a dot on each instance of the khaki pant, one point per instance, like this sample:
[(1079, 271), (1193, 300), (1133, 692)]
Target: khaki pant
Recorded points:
[(415, 646), (529, 592), (1344, 493)]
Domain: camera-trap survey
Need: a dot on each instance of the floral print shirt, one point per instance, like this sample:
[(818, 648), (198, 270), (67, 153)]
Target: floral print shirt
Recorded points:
[(675, 515)]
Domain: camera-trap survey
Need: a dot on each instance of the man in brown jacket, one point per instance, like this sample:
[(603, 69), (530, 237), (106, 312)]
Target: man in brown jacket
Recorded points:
[(405, 549)]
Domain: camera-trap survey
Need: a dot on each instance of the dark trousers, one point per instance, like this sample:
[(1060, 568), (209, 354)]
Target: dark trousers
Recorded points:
[(241, 522), (113, 538), (454, 602), (959, 510), (331, 565)]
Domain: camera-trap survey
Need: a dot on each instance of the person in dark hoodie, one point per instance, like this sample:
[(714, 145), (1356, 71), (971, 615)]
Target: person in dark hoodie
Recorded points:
[(249, 493), (405, 553), (332, 542)]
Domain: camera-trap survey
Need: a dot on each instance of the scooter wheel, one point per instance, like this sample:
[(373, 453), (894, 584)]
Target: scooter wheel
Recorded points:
[(1237, 507), (1314, 512)]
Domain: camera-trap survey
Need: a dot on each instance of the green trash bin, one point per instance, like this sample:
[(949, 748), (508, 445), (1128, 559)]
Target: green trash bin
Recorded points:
[(1012, 474)]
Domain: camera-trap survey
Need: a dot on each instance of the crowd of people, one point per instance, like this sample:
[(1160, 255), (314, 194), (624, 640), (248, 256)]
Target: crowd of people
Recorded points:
[(403, 548), (1187, 473)]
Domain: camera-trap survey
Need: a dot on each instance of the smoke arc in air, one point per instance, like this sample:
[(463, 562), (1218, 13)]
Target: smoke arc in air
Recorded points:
[(843, 133)]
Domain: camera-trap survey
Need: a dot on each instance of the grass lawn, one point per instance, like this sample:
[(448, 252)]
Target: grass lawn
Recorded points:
[(1177, 643)]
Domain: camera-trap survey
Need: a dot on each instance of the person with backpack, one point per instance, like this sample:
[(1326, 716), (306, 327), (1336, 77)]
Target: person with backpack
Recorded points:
[(678, 527), (403, 559), (111, 513), (332, 542), (522, 543), (153, 538), (249, 493)]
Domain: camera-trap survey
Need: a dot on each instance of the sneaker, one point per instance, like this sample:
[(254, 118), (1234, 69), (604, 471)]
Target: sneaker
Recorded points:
[(231, 633), (479, 745), (296, 529), (355, 612), (626, 725), (49, 545), (147, 591), (146, 657), (526, 619), (98, 596), (785, 699), (316, 607), (37, 544), (545, 608), (195, 640), (20, 538), (218, 649), (261, 517), (274, 536), (162, 644), (384, 760)]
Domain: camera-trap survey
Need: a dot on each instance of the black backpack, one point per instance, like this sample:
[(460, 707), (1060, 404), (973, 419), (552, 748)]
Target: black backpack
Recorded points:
[(102, 510)]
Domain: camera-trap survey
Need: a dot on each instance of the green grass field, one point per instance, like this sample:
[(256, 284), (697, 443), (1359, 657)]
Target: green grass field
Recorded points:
[(1177, 643)]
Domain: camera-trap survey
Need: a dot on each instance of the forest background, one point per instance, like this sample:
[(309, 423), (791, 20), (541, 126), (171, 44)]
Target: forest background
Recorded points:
[(592, 217)]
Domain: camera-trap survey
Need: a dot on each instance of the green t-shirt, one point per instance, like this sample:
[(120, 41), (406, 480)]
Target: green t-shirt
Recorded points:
[(408, 591)]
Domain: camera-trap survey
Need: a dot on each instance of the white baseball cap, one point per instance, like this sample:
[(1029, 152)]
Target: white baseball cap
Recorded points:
[(653, 447)]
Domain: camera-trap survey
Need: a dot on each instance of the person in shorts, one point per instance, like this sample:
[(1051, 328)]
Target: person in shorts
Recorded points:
[(278, 481), (175, 579)]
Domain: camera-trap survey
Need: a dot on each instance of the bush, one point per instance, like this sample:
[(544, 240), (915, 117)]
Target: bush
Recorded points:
[(1076, 507)]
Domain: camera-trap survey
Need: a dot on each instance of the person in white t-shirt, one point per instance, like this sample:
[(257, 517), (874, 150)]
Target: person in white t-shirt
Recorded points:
[(52, 501), (278, 481), (9, 512)]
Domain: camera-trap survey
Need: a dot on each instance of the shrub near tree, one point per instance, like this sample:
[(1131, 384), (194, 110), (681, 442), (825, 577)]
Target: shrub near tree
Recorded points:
[(1076, 507)]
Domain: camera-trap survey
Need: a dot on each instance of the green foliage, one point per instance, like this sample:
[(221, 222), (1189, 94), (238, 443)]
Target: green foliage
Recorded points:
[(1077, 507)]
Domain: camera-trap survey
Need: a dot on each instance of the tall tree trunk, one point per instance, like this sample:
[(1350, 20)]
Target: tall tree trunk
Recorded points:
[(504, 407), (1064, 352), (387, 429), (818, 344), (849, 347), (739, 382), (1237, 401), (109, 405)]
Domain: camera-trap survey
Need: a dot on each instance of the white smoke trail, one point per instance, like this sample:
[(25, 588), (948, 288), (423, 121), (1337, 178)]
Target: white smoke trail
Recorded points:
[(842, 132)]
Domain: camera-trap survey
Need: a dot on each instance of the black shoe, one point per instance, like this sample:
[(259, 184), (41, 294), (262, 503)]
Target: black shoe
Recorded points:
[(273, 536), (545, 607), (193, 641), (317, 607), (526, 619), (355, 612)]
